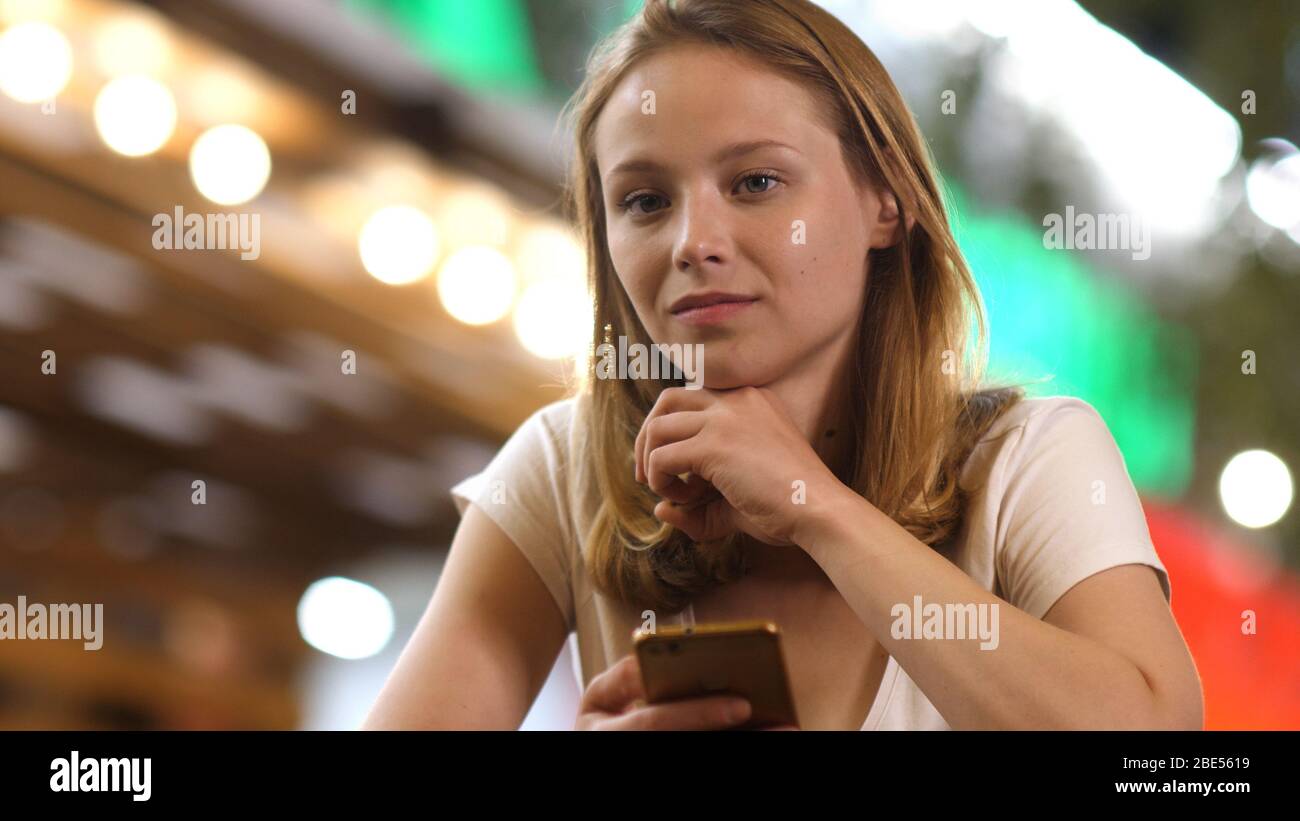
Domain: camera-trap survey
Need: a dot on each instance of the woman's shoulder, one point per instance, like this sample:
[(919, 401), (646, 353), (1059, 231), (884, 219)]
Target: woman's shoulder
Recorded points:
[(558, 414), (556, 427), (534, 456), (1060, 429), (1039, 414), (550, 446)]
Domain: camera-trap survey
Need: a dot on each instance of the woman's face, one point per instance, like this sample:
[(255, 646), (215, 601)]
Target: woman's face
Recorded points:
[(725, 180)]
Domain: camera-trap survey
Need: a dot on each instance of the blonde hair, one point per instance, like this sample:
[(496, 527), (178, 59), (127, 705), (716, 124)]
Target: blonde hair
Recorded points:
[(913, 425)]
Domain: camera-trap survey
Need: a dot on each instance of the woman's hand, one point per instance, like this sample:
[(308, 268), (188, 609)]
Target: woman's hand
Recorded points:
[(615, 700), (745, 457)]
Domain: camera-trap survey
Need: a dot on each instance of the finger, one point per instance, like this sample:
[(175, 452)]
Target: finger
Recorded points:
[(665, 429), (707, 713), (694, 492), (697, 491), (639, 470), (614, 689), (681, 399), (679, 518), (702, 523), (666, 463), (670, 400)]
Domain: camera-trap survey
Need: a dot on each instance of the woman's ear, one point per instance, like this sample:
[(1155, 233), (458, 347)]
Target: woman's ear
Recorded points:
[(888, 230)]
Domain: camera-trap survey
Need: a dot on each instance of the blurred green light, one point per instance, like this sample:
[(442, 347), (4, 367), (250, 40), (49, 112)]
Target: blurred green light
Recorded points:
[(484, 45), (1051, 314)]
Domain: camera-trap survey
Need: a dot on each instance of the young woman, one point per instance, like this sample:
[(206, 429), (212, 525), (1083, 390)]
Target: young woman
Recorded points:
[(748, 179)]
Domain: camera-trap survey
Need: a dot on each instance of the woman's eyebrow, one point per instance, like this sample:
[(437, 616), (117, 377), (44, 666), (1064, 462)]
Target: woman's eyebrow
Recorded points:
[(727, 152)]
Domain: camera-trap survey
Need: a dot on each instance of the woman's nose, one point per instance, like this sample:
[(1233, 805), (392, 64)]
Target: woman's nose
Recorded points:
[(703, 238)]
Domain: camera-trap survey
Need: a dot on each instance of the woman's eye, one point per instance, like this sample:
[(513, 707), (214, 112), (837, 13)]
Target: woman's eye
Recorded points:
[(747, 182), (633, 199), (755, 183)]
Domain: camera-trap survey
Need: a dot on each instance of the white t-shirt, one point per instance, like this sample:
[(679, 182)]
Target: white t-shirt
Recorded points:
[(1052, 504)]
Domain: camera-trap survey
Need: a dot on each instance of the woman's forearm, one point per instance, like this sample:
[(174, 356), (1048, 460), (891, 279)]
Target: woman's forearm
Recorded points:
[(1033, 675)]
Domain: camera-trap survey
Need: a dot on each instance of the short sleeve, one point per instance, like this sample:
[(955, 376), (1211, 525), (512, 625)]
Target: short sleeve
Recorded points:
[(1069, 508), (523, 490)]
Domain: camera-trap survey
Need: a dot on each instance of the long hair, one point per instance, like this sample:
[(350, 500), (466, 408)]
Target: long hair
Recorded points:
[(917, 408)]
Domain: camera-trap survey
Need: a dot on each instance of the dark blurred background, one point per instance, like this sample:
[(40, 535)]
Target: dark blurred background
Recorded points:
[(245, 456)]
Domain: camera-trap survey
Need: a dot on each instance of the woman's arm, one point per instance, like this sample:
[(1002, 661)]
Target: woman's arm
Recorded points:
[(1107, 655), (483, 648)]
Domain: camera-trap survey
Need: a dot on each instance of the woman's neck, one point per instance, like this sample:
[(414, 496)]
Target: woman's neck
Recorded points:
[(817, 398)]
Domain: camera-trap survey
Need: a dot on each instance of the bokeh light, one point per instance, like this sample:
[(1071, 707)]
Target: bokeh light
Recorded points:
[(35, 62), (553, 318), (345, 618), (1273, 190), (398, 245), (1255, 488), (548, 251), (133, 42), (230, 164), (477, 285), (135, 115)]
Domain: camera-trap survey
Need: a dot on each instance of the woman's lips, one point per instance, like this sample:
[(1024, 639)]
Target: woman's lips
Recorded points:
[(713, 314)]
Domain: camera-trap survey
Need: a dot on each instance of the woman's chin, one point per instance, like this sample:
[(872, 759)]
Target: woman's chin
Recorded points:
[(723, 381)]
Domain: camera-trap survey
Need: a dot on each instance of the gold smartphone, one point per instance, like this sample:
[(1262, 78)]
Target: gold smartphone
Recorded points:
[(741, 657)]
